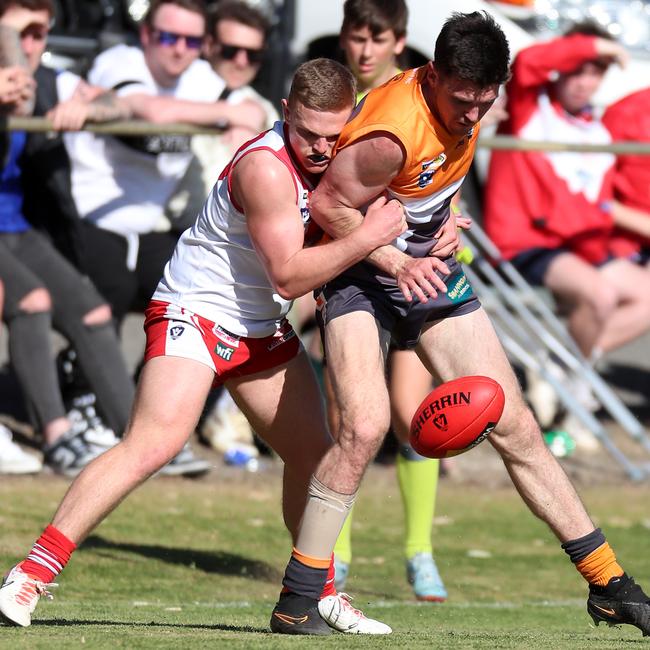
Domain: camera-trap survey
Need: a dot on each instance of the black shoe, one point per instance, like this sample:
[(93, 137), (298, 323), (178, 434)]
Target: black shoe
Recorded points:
[(294, 614), (621, 601)]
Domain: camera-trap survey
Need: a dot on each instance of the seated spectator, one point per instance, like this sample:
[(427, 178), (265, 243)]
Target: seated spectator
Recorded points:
[(120, 185), (235, 48), (42, 288), (550, 213), (629, 119)]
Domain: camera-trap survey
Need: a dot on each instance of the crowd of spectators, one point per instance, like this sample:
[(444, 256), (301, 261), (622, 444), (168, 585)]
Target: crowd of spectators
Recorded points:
[(87, 222)]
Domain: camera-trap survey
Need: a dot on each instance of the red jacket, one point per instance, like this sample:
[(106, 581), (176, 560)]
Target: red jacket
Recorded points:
[(629, 119), (549, 199)]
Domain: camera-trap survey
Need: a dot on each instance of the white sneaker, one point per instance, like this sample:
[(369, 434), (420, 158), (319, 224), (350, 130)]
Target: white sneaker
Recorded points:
[(339, 614), (13, 460), (19, 596)]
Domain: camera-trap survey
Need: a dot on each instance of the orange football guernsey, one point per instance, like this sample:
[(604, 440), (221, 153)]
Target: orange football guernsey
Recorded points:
[(436, 162)]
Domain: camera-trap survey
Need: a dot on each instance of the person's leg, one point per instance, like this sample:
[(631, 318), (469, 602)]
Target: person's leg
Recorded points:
[(164, 414), (284, 406), (591, 301), (631, 316), (355, 358), (409, 383), (85, 319), (468, 345), (28, 308)]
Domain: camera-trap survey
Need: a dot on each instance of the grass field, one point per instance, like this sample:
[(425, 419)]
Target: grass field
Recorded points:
[(185, 564)]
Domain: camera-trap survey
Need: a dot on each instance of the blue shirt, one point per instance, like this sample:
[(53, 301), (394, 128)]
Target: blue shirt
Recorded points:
[(11, 190)]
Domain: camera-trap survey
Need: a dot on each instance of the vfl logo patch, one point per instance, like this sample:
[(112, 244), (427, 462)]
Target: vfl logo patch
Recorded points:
[(440, 422), (224, 351), (429, 168), (176, 331)]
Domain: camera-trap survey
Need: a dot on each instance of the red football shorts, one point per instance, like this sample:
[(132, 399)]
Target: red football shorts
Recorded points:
[(173, 331)]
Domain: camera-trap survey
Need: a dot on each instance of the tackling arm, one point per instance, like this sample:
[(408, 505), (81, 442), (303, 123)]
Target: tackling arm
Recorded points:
[(264, 189)]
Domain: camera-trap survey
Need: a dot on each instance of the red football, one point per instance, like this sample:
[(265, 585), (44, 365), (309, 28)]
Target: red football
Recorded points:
[(456, 416)]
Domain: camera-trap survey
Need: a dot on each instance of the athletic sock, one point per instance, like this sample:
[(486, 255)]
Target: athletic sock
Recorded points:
[(343, 547), (48, 556), (418, 482), (306, 576), (594, 558), (329, 589)]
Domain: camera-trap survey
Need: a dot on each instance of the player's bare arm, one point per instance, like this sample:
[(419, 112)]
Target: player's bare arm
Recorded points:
[(265, 190), (357, 174), (165, 110)]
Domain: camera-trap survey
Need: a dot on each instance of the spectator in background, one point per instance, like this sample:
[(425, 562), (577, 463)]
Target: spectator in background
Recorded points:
[(551, 213), (43, 288), (235, 47), (629, 119), (373, 35), (120, 185)]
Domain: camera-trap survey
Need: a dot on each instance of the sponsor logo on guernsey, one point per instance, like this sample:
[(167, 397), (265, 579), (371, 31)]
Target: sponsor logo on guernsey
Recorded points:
[(176, 331), (224, 351), (429, 168), (459, 288), (226, 337)]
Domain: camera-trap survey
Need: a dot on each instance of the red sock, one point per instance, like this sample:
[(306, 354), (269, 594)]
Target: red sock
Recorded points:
[(49, 555), (329, 589)]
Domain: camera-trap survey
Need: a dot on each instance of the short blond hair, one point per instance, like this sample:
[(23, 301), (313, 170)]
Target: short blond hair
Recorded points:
[(323, 85)]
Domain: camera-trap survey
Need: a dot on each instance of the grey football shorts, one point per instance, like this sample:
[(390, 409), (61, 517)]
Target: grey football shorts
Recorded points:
[(403, 321)]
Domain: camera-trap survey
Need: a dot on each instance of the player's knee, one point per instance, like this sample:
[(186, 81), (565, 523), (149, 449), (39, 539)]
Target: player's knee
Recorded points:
[(518, 436), (146, 459), (37, 300), (361, 436)]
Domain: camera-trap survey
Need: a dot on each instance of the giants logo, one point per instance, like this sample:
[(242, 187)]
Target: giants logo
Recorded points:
[(429, 168)]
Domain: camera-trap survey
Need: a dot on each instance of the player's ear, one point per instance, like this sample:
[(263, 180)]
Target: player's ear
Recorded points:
[(286, 112)]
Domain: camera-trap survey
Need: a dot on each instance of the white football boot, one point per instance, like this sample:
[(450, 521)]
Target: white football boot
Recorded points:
[(339, 614), (19, 596)]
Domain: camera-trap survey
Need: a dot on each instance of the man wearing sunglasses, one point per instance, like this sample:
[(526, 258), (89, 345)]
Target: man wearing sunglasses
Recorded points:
[(235, 46)]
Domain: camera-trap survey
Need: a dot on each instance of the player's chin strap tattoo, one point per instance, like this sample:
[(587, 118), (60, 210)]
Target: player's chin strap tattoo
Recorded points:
[(11, 54)]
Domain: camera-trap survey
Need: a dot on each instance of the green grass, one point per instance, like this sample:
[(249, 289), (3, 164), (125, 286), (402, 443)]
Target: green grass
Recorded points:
[(185, 564)]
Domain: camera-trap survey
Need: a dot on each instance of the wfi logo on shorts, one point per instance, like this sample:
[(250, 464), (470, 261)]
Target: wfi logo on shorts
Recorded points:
[(176, 331), (224, 351)]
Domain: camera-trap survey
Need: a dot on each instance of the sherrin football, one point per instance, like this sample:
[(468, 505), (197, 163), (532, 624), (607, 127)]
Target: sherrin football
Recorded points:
[(456, 416)]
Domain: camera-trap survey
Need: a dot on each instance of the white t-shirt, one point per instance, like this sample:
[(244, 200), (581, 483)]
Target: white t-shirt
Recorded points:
[(123, 184)]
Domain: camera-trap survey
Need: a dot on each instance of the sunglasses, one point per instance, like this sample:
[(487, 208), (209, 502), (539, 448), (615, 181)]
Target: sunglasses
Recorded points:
[(229, 52), (171, 38)]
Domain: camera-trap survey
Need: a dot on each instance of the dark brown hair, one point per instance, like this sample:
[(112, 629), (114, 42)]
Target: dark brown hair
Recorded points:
[(378, 15), (31, 5), (239, 12)]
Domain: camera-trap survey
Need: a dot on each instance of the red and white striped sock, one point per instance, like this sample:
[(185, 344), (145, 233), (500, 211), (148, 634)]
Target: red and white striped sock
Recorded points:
[(48, 556)]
